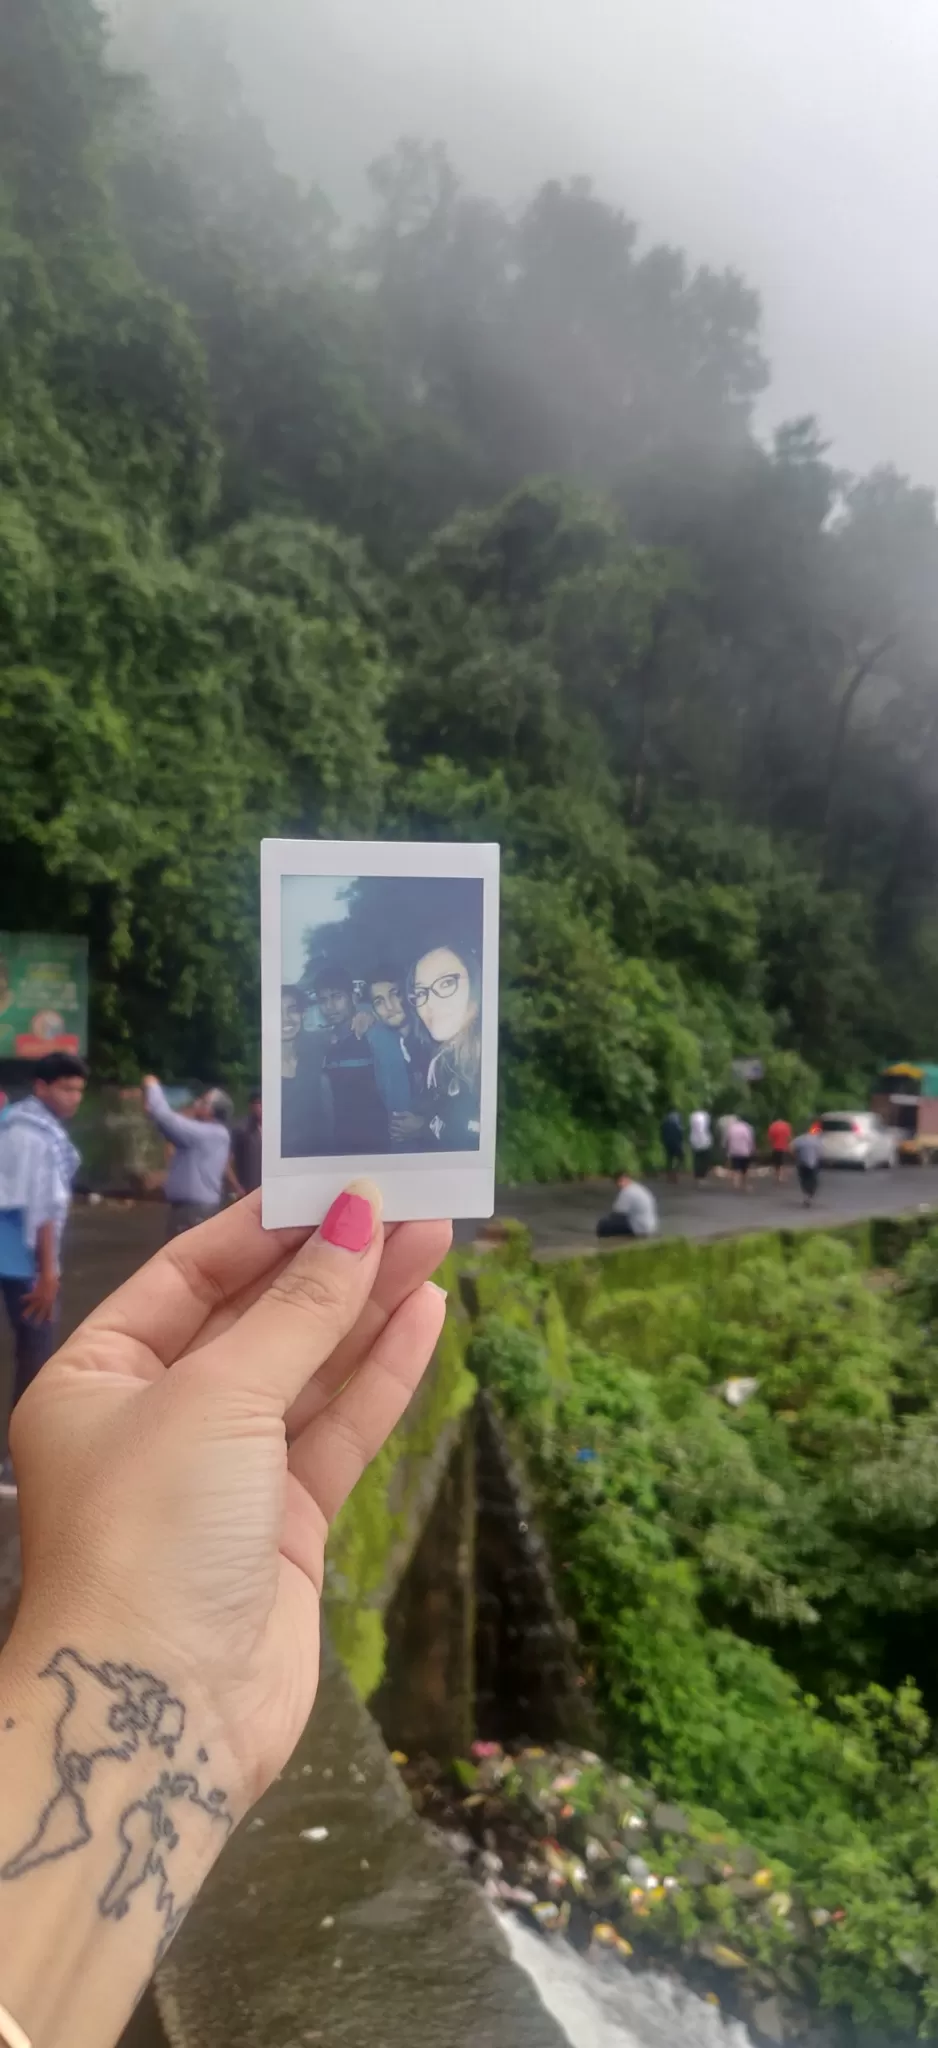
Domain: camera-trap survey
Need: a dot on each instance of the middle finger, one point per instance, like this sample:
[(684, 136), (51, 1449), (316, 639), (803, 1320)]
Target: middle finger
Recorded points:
[(410, 1257)]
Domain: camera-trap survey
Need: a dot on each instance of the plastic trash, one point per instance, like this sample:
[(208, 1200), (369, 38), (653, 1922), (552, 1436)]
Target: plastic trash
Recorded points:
[(314, 1834), (736, 1392), (552, 1918)]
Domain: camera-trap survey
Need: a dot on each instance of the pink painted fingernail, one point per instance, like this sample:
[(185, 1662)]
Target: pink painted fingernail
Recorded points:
[(350, 1223)]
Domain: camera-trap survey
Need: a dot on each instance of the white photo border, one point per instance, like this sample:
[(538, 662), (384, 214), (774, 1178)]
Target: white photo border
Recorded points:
[(414, 1185)]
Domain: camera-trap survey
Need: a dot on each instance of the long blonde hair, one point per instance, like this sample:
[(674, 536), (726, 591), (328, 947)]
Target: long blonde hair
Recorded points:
[(460, 1058)]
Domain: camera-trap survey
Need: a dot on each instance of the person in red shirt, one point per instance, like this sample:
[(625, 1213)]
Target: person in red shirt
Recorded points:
[(780, 1141)]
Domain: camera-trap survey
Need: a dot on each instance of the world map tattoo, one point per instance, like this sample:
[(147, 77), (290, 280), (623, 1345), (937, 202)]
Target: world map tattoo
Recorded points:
[(110, 1714)]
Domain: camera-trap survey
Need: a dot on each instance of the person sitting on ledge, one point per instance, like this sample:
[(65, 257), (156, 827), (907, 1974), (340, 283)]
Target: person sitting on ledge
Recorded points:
[(634, 1212)]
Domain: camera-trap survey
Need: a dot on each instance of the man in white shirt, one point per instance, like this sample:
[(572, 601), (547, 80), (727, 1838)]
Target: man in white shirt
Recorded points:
[(701, 1142), (634, 1212), (38, 1163)]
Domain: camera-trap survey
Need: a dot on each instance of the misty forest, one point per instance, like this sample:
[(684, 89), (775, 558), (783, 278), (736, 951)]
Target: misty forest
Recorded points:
[(448, 522)]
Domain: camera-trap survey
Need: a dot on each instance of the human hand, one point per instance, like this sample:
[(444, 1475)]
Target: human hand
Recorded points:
[(404, 1125), (180, 1459), (149, 1081), (363, 1020), (39, 1303)]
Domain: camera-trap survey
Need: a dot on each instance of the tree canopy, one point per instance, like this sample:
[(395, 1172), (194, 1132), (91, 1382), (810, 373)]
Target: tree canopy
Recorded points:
[(454, 524)]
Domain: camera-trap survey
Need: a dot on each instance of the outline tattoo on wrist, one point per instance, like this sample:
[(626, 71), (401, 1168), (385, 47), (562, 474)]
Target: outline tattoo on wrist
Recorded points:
[(111, 1713)]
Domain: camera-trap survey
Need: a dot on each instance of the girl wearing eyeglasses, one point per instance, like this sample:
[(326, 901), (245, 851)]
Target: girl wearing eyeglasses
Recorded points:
[(446, 992)]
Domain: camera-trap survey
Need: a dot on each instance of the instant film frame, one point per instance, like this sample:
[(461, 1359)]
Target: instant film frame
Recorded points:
[(350, 912)]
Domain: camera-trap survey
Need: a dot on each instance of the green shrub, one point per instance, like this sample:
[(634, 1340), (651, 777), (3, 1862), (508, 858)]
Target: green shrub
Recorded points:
[(756, 1587), (513, 1363)]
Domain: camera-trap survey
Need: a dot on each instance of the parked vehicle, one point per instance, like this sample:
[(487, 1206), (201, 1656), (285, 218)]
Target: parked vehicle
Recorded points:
[(855, 1137), (906, 1097)]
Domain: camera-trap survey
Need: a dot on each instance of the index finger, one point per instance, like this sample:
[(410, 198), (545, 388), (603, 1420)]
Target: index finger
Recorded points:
[(165, 1305), (308, 1307)]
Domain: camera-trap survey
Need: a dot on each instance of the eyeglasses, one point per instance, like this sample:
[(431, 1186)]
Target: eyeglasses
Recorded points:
[(444, 989)]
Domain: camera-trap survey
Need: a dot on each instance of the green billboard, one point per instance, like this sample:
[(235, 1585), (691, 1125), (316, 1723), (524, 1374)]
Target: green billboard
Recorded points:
[(43, 995)]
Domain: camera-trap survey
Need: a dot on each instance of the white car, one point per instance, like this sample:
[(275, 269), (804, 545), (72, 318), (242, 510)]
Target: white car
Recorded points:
[(855, 1137)]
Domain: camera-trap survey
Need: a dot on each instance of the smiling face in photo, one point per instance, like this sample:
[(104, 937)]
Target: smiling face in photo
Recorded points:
[(443, 996), (291, 1018)]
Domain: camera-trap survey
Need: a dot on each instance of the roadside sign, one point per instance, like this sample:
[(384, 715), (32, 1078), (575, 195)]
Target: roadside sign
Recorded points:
[(43, 994), (749, 1070)]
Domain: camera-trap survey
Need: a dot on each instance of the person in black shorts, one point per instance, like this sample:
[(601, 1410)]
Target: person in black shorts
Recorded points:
[(807, 1154)]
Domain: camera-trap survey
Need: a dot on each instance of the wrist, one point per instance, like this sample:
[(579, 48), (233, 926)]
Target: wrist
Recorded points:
[(165, 1717), (112, 1816)]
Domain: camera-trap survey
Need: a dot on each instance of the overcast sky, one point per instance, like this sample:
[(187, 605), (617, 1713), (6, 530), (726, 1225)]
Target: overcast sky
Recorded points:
[(797, 141)]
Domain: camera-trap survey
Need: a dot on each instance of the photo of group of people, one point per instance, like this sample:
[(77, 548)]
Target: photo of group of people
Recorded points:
[(381, 1006)]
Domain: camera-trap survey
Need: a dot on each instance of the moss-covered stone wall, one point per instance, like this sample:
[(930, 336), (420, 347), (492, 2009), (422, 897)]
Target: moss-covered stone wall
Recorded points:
[(377, 1531)]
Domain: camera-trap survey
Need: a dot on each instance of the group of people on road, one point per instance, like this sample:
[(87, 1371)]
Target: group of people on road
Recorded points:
[(392, 1061), (634, 1211), (737, 1143), (735, 1140)]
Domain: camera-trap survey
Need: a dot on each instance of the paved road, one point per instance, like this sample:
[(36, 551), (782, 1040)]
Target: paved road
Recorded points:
[(563, 1218)]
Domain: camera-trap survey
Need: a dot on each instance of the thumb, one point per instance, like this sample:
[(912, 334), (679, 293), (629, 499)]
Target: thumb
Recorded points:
[(289, 1332)]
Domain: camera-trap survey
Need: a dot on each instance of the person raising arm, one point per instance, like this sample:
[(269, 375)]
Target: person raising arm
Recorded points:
[(197, 1170), (179, 1463)]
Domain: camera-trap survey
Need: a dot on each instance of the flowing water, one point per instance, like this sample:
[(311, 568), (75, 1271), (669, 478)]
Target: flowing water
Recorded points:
[(600, 2005)]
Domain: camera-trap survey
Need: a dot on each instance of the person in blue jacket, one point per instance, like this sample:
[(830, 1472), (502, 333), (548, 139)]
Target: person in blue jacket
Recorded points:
[(399, 1069)]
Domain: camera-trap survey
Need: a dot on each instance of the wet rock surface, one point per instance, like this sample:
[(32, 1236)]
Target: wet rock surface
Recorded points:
[(584, 1853)]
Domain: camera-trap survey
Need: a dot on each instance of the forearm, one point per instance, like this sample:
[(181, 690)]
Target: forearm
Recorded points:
[(47, 1261), (179, 1129), (113, 1810)]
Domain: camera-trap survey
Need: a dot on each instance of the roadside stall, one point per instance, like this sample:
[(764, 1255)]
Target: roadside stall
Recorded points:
[(906, 1097)]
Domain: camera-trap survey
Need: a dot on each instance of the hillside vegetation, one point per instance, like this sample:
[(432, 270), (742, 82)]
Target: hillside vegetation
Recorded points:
[(754, 1585), (453, 525)]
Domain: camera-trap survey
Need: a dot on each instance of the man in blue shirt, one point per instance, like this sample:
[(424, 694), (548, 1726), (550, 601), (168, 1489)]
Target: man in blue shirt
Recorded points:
[(197, 1169), (393, 1044), (38, 1163)]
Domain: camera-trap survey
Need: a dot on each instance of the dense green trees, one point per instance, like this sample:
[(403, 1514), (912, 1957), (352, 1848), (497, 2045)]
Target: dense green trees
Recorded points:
[(453, 525)]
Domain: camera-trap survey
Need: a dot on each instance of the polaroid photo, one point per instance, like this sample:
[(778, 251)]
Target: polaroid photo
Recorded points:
[(380, 1026)]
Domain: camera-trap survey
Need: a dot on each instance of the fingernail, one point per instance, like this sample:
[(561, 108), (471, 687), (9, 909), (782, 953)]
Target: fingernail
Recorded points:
[(438, 1290), (350, 1222)]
